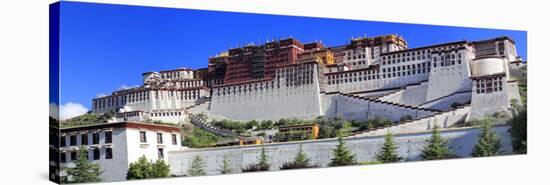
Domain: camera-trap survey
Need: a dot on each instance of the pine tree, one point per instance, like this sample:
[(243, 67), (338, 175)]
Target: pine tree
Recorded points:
[(389, 151), (488, 143), (197, 167), (301, 158), (342, 156), (160, 169), (226, 166), (263, 162), (519, 132), (141, 169), (437, 147), (84, 171)]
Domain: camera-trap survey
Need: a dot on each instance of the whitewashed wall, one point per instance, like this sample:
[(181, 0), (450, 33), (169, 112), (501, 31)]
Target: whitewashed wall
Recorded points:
[(320, 151)]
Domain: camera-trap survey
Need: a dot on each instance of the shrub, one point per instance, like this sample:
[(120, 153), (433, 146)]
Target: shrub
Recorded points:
[(200, 138), (405, 118), (253, 168), (519, 132)]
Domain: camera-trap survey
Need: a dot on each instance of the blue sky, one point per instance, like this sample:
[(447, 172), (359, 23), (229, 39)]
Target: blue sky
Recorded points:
[(104, 47)]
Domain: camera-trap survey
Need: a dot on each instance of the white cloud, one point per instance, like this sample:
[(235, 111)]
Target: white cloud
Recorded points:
[(70, 110), (54, 111), (124, 87), (100, 95)]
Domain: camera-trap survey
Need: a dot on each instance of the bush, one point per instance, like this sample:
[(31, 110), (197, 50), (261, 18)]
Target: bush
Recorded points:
[(254, 168), (455, 105), (144, 168), (292, 136), (200, 138), (87, 119), (330, 128), (405, 118), (519, 132)]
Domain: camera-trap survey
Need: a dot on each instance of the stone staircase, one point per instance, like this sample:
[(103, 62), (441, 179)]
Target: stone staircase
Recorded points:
[(443, 119), (377, 100), (202, 123)]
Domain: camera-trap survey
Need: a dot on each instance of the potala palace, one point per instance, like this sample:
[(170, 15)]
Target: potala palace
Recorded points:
[(364, 79), (370, 77)]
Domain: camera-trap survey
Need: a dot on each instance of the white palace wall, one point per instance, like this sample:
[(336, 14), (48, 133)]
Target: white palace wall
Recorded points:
[(450, 74), (269, 104), (295, 93), (321, 151)]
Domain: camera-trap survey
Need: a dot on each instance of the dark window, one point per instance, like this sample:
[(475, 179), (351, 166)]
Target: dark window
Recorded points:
[(95, 138), (73, 155), (159, 138), (142, 137), (63, 141), (174, 139), (84, 139), (108, 153), (63, 157), (73, 140), (96, 153), (161, 153), (108, 137)]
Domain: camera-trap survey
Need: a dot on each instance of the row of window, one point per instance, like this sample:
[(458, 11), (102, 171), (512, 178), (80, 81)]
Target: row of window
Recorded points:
[(95, 154), (164, 114), (407, 59), (143, 138), (84, 139), (362, 62), (414, 55), (142, 96), (488, 85), (245, 88), (177, 74), (194, 83)]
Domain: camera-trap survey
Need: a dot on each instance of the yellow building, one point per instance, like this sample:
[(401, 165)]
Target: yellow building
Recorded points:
[(310, 129)]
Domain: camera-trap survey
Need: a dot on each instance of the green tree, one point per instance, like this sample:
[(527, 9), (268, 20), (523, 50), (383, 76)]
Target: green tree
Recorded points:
[(160, 169), (301, 158), (140, 169), (342, 156), (519, 132), (83, 171), (263, 161), (389, 150), (225, 168), (488, 143), (437, 147), (197, 167), (300, 161)]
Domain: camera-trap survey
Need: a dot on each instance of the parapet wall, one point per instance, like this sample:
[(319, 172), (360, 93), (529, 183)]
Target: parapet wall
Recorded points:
[(321, 151)]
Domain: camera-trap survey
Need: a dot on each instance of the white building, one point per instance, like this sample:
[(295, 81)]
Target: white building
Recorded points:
[(371, 77), (115, 145)]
